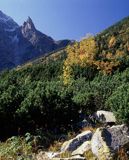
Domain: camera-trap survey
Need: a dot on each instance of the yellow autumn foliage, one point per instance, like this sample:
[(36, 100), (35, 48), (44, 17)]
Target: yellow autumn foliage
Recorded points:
[(112, 42), (79, 54), (84, 54)]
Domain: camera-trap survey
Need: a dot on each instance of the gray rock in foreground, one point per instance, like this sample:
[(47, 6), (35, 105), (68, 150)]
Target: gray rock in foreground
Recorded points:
[(104, 144), (106, 141), (119, 136), (74, 143), (82, 149)]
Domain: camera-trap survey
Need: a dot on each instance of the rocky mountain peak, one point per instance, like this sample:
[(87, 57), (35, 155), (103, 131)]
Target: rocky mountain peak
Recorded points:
[(29, 20), (22, 43), (2, 15), (7, 23), (28, 25)]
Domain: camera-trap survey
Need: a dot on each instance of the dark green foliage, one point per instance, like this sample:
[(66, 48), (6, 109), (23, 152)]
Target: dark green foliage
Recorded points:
[(28, 103), (34, 96), (119, 103)]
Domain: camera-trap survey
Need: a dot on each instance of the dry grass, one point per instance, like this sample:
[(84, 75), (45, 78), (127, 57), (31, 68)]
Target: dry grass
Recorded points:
[(55, 146), (89, 155), (88, 129), (122, 155), (66, 154)]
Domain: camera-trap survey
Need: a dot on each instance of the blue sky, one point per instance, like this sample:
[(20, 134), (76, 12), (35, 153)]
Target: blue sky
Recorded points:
[(67, 18)]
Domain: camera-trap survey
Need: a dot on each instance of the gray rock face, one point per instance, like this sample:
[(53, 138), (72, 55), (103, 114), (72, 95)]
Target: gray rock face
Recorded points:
[(82, 149), (50, 156), (7, 39), (100, 146), (119, 136), (7, 23), (19, 44), (106, 141), (74, 143), (104, 144)]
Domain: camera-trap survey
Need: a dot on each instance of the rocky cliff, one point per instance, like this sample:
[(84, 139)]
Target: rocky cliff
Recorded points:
[(19, 44)]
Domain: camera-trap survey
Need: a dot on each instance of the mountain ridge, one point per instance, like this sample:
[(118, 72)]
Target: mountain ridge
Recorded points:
[(103, 38), (19, 44)]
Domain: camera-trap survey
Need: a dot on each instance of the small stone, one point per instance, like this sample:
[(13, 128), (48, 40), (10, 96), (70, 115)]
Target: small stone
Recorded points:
[(105, 116)]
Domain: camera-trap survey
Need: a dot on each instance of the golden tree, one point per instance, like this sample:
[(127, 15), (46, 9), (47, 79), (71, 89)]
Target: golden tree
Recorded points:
[(81, 54), (112, 61)]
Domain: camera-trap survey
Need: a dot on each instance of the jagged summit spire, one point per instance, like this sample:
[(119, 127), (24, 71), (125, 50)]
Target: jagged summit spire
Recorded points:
[(28, 24), (29, 20)]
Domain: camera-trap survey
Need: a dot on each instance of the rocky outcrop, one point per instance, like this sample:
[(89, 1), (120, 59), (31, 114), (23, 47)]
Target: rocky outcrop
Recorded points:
[(50, 156), (119, 137), (107, 141), (103, 144), (74, 143), (100, 146)]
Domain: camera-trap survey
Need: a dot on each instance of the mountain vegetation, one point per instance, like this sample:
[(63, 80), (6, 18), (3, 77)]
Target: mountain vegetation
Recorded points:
[(50, 92)]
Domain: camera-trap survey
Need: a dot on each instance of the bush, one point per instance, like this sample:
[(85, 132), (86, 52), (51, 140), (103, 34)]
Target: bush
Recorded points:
[(119, 103), (16, 148)]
